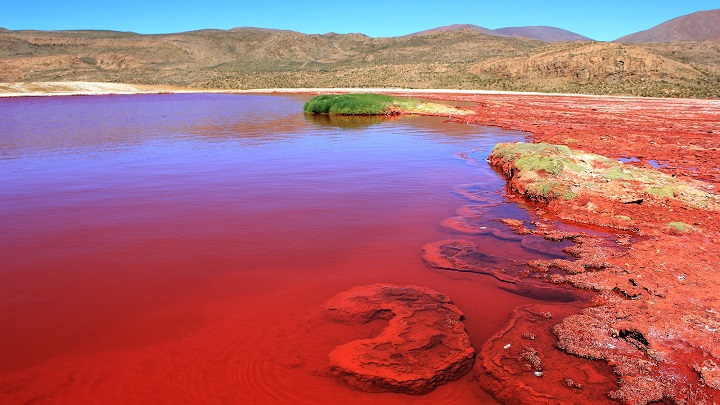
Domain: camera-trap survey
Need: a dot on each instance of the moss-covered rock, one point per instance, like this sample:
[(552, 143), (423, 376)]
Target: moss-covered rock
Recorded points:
[(546, 172)]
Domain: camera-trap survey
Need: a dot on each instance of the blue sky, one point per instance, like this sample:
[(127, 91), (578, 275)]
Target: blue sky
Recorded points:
[(605, 21)]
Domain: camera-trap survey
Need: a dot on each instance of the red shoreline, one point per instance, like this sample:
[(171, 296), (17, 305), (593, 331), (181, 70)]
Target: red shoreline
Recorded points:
[(655, 306)]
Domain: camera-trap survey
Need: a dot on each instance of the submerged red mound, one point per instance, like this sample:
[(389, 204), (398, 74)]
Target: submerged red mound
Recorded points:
[(520, 364), (424, 345)]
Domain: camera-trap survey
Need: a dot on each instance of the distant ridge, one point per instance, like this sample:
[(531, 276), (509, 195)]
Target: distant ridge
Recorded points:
[(540, 33), (543, 33), (458, 27), (700, 26), (258, 29)]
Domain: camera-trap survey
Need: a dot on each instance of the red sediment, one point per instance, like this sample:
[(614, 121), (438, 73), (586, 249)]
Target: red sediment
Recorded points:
[(521, 364), (464, 255), (656, 318), (424, 345)]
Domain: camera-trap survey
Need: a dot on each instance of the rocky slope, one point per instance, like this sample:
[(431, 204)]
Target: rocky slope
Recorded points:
[(602, 66)]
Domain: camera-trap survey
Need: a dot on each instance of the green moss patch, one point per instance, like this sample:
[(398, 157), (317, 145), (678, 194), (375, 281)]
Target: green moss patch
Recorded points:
[(546, 157), (617, 173), (679, 226), (662, 192)]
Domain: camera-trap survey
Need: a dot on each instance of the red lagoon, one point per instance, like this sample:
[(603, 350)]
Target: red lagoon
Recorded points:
[(179, 248)]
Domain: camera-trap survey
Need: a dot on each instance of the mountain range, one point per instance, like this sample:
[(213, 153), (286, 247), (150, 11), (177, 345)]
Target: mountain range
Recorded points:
[(699, 26), (547, 59)]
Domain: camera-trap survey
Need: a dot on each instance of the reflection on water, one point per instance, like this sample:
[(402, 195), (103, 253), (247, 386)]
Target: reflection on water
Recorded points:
[(349, 121), (168, 248)]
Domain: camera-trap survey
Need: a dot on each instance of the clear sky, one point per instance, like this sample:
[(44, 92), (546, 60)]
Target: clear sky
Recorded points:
[(601, 20)]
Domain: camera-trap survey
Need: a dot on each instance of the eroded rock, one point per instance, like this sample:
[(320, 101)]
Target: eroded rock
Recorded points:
[(424, 345)]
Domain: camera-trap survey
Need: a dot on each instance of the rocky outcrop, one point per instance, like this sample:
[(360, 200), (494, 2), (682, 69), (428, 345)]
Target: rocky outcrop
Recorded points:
[(590, 64), (423, 346)]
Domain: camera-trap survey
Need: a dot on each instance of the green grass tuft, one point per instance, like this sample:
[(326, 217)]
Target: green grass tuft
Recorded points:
[(678, 226), (662, 192), (354, 104), (617, 173)]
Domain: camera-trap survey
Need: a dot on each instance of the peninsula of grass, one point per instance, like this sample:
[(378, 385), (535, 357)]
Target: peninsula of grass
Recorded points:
[(358, 104), (377, 104)]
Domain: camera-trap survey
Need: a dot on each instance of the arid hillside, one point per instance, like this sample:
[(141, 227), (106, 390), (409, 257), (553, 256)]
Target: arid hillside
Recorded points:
[(606, 68), (246, 58), (700, 26)]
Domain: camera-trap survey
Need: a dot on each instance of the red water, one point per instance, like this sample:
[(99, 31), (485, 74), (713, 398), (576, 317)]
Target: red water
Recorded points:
[(175, 249)]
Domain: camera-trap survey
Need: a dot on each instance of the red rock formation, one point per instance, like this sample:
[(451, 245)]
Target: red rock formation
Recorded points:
[(424, 345)]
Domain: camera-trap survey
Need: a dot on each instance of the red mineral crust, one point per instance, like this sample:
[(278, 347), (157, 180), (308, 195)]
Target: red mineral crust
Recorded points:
[(656, 317), (424, 345), (521, 365)]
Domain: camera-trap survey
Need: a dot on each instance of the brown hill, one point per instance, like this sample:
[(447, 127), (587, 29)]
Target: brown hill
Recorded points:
[(700, 26), (260, 58), (458, 27), (540, 33), (549, 34)]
